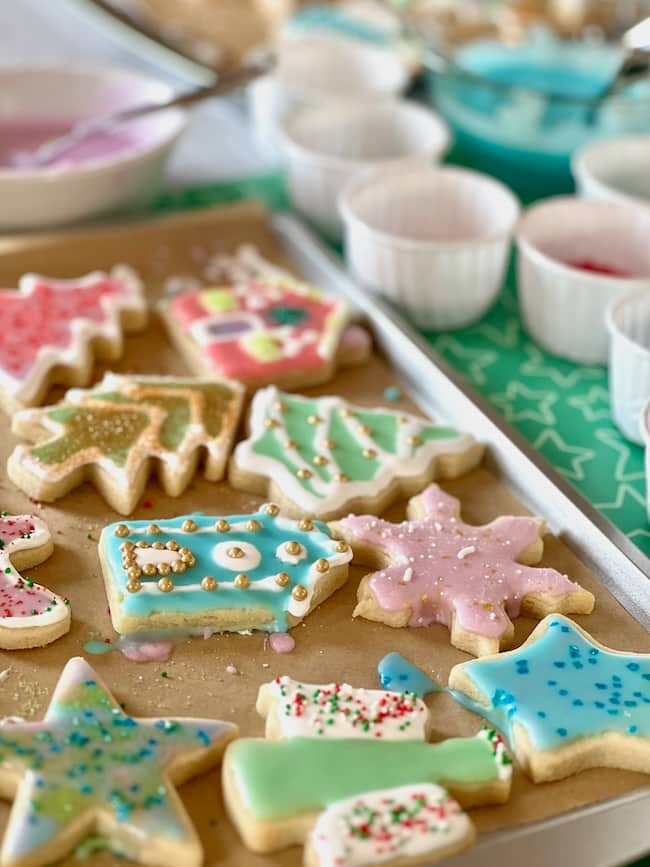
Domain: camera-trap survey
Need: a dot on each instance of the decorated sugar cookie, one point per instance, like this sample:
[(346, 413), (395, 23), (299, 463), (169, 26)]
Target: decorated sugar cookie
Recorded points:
[(359, 746), (407, 825), (294, 709), (434, 568), (265, 329), (564, 701), (325, 457), (51, 330), (259, 571), (90, 767), (109, 435), (30, 615)]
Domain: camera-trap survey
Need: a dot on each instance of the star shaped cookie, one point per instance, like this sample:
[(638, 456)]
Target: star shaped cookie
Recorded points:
[(434, 568), (564, 701), (89, 766)]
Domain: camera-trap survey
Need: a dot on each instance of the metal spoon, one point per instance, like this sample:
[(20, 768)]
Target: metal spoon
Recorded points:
[(50, 150)]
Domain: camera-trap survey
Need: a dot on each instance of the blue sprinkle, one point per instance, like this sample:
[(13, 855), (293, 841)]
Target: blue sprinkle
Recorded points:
[(637, 694), (574, 650), (632, 730), (633, 666), (563, 691), (565, 629), (646, 676), (592, 661), (612, 711), (630, 704), (541, 714), (85, 789), (593, 651), (562, 732), (560, 664), (392, 393), (202, 736), (551, 682), (600, 685), (600, 704), (578, 702), (578, 664), (90, 683), (403, 677)]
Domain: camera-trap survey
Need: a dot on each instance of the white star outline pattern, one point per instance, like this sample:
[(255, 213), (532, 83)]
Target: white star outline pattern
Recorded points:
[(585, 403), (543, 401), (581, 455)]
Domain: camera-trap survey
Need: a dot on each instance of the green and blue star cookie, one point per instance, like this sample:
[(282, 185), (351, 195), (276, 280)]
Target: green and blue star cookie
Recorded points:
[(564, 702), (90, 767)]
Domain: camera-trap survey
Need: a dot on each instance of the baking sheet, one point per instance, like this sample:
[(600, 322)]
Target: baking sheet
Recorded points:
[(330, 646)]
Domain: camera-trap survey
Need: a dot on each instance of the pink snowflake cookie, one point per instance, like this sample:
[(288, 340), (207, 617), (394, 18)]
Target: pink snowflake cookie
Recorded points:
[(434, 568)]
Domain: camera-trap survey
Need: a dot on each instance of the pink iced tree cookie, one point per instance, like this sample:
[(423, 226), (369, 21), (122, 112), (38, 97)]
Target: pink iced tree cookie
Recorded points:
[(434, 568)]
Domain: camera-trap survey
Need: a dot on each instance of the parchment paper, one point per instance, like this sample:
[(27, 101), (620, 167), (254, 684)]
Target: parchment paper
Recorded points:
[(329, 644)]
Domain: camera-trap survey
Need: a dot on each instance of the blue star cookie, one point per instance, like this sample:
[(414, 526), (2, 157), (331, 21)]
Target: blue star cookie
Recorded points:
[(564, 702)]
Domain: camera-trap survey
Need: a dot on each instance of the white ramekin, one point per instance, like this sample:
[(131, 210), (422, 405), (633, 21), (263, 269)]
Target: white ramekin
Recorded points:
[(628, 323), (563, 307), (52, 196), (319, 66), (615, 170), (325, 146), (434, 241)]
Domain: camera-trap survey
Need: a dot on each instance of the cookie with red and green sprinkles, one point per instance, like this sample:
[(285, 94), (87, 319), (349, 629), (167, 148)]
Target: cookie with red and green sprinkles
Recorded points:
[(30, 614)]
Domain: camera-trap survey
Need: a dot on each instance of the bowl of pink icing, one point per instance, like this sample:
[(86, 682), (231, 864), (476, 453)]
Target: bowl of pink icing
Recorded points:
[(116, 170)]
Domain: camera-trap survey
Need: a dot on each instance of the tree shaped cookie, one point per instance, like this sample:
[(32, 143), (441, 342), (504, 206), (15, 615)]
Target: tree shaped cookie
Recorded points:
[(260, 571), (265, 329), (334, 742), (30, 615), (111, 434), (324, 457), (89, 767), (434, 568), (564, 701), (52, 330)]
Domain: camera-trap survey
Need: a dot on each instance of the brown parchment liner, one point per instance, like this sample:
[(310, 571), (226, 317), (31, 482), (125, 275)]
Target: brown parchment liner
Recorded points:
[(329, 644)]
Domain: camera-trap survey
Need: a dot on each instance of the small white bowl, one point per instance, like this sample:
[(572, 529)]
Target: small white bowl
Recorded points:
[(615, 170), (70, 191), (325, 146), (628, 323), (315, 67), (433, 240), (562, 305)]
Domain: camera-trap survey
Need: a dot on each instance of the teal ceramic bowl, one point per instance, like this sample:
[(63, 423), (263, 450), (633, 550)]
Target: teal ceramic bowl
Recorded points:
[(519, 112)]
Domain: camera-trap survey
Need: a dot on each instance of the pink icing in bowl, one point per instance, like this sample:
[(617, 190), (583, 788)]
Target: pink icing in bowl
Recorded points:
[(119, 170)]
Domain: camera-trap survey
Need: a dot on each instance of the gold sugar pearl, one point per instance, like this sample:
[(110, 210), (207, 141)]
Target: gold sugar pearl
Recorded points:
[(165, 585), (403, 419), (414, 441), (289, 444), (272, 510), (306, 525), (319, 460), (178, 567), (314, 419), (208, 583), (341, 477), (189, 526), (329, 444), (279, 406), (163, 568), (149, 569), (322, 565), (121, 530), (346, 413), (189, 561), (304, 474), (253, 526), (126, 547), (184, 552), (159, 546), (342, 547), (134, 573), (270, 423), (153, 529), (235, 552), (242, 581), (172, 545), (364, 429), (282, 579), (369, 453), (222, 526), (143, 543), (292, 547), (133, 585), (299, 593)]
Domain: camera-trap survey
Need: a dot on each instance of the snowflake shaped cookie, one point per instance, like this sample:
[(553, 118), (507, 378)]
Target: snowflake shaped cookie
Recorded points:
[(434, 568), (564, 701)]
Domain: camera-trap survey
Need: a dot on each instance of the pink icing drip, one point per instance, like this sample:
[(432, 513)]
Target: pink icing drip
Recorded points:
[(17, 598), (442, 567), (281, 642), (148, 651)]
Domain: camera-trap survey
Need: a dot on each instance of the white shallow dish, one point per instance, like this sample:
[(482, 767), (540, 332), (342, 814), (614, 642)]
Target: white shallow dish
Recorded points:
[(615, 170), (56, 195), (318, 66), (325, 146), (563, 307), (628, 323), (433, 240)]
